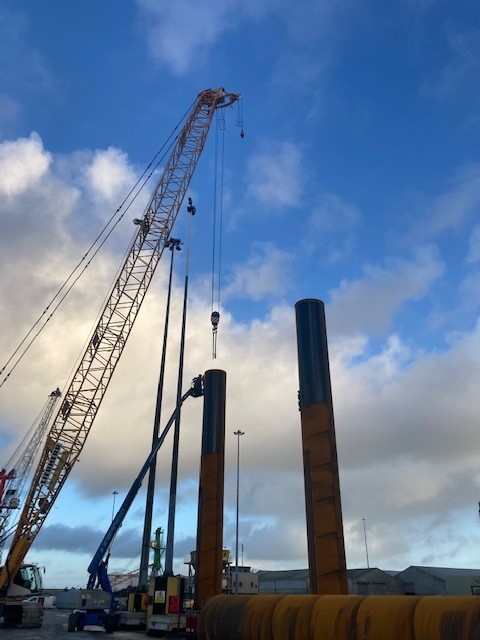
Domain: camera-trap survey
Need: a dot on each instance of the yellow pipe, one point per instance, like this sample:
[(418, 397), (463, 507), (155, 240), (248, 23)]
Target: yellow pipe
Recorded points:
[(376, 614), (337, 617), (446, 617), (334, 617)]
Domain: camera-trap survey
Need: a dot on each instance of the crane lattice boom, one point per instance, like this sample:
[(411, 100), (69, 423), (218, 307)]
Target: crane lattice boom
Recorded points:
[(87, 388), (23, 464)]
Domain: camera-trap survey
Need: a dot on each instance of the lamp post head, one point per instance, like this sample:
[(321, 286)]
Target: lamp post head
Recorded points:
[(239, 433)]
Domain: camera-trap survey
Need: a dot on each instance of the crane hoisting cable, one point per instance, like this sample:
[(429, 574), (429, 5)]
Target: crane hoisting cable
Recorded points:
[(86, 389), (39, 325), (217, 222)]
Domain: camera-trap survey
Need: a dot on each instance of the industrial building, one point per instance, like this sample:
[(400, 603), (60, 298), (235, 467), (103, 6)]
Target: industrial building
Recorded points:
[(414, 580), (440, 581), (248, 581)]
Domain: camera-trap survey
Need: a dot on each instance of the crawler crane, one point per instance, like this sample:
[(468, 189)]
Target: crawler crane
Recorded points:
[(22, 461), (86, 390), (28, 580)]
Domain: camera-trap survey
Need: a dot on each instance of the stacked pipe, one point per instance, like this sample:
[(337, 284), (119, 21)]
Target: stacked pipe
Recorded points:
[(334, 615), (338, 617)]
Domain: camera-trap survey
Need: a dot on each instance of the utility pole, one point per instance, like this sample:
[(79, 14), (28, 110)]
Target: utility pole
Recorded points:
[(114, 494), (174, 245), (237, 433), (191, 209), (366, 546)]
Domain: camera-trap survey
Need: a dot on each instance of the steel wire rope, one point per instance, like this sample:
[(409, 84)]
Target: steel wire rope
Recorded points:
[(16, 455), (220, 230), (215, 315), (87, 264), (95, 322), (214, 230), (6, 534)]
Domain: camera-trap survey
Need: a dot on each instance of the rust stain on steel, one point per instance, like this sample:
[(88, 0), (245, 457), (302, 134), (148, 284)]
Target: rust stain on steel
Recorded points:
[(274, 617), (323, 505)]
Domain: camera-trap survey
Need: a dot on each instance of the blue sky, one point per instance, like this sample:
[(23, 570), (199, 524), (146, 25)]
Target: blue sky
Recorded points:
[(357, 182)]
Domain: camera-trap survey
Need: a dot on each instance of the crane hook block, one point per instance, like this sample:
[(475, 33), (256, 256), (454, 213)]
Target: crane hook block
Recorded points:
[(215, 318)]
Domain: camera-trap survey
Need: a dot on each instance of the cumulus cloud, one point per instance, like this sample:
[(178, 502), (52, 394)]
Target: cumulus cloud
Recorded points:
[(369, 304), (452, 208), (180, 33), (406, 417), (265, 273), (109, 174), (276, 175), (23, 162)]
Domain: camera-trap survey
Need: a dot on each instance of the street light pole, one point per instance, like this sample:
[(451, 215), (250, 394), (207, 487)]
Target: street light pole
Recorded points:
[(114, 494), (366, 546), (237, 433)]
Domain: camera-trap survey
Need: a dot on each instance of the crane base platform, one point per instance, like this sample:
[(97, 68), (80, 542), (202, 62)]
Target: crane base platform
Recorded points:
[(133, 619), (23, 615), (166, 622)]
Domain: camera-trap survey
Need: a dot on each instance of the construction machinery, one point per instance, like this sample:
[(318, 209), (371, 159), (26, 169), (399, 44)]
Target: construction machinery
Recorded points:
[(28, 578), (21, 463), (86, 390), (99, 609)]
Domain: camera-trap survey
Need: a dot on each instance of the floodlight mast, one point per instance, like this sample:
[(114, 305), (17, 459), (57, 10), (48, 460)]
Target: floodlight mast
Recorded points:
[(86, 390)]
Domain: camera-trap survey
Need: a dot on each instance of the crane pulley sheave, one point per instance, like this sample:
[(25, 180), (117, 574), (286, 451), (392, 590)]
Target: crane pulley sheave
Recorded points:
[(87, 388)]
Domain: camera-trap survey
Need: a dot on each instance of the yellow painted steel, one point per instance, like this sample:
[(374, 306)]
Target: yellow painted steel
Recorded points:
[(210, 528), (258, 617), (394, 614), (340, 617), (334, 617), (292, 617), (448, 618), (326, 549), (221, 618)]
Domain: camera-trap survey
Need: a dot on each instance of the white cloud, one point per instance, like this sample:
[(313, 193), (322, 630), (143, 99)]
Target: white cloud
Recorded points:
[(369, 304), (451, 209), (23, 163), (404, 416), (276, 175), (333, 221), (265, 273), (109, 175), (181, 33)]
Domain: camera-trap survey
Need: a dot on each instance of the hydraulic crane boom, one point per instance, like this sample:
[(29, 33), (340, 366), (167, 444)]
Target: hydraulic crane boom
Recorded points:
[(97, 567), (86, 390)]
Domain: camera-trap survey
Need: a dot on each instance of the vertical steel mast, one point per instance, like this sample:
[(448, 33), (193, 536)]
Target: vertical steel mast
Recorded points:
[(87, 388)]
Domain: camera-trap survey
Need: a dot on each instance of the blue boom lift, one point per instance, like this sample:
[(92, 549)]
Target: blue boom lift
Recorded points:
[(98, 581)]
